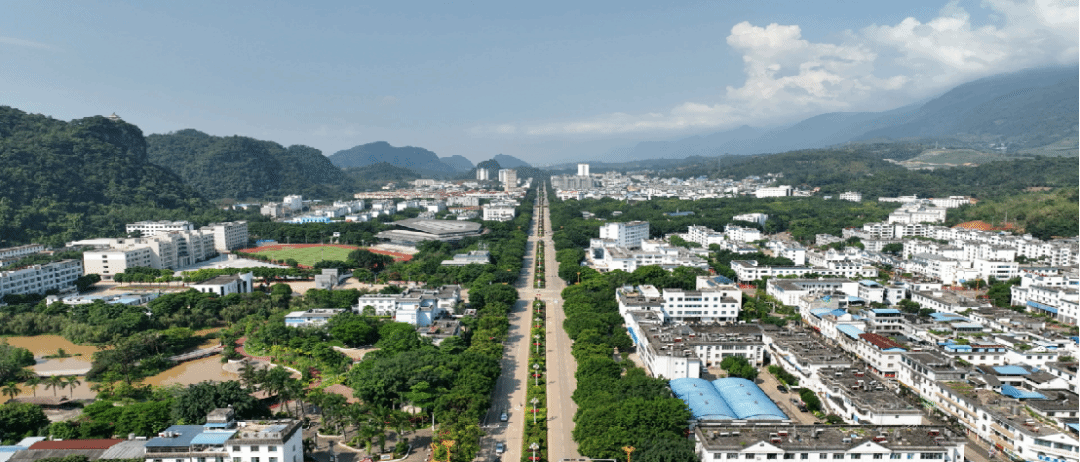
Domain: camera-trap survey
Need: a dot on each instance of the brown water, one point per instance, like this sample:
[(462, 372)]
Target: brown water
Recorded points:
[(41, 345), (199, 370)]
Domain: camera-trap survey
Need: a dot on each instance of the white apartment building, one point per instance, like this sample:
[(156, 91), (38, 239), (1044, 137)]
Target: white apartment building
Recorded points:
[(851, 196), (508, 177), (224, 439), (750, 270), (419, 307), (482, 174), (20, 251), (722, 441), (153, 228), (778, 191), (740, 234), (108, 262), (1054, 295), (316, 317), (229, 236), (604, 256), (294, 203), (583, 169), (627, 235), (703, 236), (789, 291), (759, 218), (918, 214), (499, 212), (38, 279), (714, 304)]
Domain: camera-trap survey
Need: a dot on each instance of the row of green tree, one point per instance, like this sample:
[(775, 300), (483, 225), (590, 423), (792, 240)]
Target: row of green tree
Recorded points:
[(618, 403)]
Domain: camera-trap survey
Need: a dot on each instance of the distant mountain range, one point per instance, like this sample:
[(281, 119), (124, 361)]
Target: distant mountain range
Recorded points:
[(1021, 110), (419, 160)]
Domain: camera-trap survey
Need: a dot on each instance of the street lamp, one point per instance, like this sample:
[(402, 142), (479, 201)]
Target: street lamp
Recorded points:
[(536, 375), (534, 402), (537, 337), (534, 447), (628, 449)]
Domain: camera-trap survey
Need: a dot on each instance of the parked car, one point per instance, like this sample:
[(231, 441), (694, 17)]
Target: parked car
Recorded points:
[(781, 389), (504, 417), (499, 448)]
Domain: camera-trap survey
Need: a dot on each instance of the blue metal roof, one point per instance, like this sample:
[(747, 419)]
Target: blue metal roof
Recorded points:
[(1074, 426), (938, 316), (704, 401), (1011, 370), (1013, 392), (185, 433), (885, 311), (869, 283), (747, 400), (819, 312), (849, 330), (213, 437), (1042, 306)]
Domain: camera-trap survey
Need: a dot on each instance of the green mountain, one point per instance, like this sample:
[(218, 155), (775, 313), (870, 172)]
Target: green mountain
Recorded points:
[(419, 160), (1031, 108), (61, 181), (239, 167), (374, 176)]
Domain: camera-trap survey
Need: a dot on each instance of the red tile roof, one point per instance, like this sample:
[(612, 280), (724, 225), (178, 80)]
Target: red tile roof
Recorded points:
[(879, 341), (76, 444)]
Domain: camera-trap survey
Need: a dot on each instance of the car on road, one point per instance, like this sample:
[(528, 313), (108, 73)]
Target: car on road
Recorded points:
[(500, 448), (504, 417), (781, 389), (794, 401)]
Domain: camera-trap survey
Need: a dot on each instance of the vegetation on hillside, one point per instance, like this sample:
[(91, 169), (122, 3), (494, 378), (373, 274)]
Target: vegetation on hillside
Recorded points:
[(1043, 214), (238, 167), (61, 181)]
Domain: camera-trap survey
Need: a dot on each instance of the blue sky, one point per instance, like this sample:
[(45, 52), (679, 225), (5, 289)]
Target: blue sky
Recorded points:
[(546, 81)]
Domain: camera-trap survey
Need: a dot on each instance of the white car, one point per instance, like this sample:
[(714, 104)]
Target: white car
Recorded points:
[(499, 448)]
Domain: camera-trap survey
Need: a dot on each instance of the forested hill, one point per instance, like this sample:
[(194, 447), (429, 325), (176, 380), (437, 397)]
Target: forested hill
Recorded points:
[(239, 167), (418, 160), (65, 180)]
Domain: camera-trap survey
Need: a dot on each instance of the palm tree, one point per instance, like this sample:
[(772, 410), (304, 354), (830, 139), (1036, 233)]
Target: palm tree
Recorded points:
[(73, 382), (33, 381), (11, 390), (55, 382)]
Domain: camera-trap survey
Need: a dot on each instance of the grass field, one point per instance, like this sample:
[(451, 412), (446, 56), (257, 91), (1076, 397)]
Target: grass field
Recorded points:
[(307, 256)]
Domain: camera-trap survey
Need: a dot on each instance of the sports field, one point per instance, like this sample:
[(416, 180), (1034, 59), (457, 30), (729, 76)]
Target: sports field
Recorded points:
[(305, 254)]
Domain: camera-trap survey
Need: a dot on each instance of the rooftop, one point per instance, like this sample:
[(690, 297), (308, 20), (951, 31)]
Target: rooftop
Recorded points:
[(793, 438)]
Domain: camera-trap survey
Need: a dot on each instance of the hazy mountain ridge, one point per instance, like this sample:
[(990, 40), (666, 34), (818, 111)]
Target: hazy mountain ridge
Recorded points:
[(411, 157), (1030, 108)]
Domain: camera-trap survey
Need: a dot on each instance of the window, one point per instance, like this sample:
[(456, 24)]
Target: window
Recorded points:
[(823, 455), (254, 449), (878, 456), (733, 455), (805, 456), (838, 455), (271, 449), (254, 459), (770, 456), (236, 448), (273, 459), (932, 455), (749, 456), (894, 455), (856, 456), (201, 459), (789, 456), (235, 459)]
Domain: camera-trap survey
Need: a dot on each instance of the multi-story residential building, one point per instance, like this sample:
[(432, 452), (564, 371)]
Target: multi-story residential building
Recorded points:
[(759, 218), (742, 234), (38, 279), (946, 301), (604, 257), (419, 307), (228, 236), (873, 291), (224, 439), (789, 291), (750, 270), (509, 179), (11, 253), (719, 304), (777, 191), (627, 235), (918, 214), (1059, 301), (684, 351), (802, 354), (499, 212), (704, 236), (721, 441), (294, 203), (153, 228), (885, 321), (851, 196), (857, 397)]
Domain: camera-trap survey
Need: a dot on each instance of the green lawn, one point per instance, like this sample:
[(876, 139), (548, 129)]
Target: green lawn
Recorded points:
[(310, 255)]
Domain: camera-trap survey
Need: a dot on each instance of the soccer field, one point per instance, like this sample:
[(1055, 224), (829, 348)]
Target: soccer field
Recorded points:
[(306, 255)]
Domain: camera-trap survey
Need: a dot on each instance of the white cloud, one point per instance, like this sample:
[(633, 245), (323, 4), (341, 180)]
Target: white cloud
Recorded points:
[(26, 43), (788, 77)]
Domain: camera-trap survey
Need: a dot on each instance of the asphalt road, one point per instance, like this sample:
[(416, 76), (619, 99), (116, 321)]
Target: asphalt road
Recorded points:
[(561, 363)]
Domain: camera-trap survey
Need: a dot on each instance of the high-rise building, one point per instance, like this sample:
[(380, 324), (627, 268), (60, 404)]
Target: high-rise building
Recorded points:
[(583, 169), (627, 235)]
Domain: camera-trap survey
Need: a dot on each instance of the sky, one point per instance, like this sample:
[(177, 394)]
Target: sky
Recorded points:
[(545, 82)]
